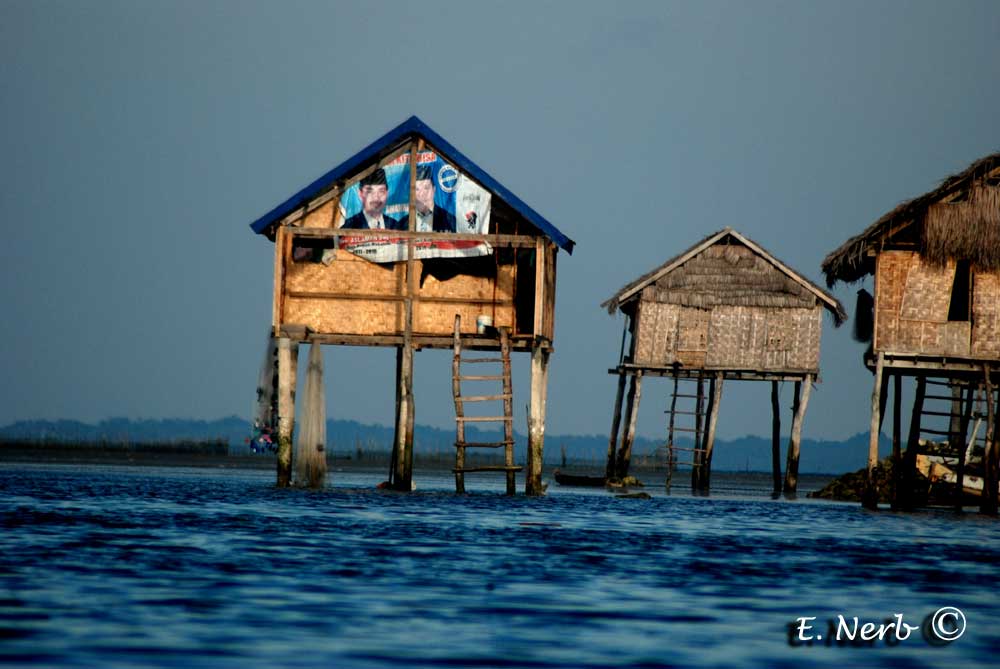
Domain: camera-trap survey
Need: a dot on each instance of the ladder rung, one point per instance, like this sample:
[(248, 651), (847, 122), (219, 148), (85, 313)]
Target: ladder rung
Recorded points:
[(481, 359), (483, 444), (691, 396), (487, 377), (685, 429), (489, 468), (940, 413), (935, 382), (943, 397), (483, 419), (483, 398), (686, 413), (929, 431)]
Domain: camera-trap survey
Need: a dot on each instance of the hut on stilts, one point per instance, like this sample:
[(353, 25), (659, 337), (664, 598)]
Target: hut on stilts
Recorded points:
[(408, 244), (725, 309), (935, 317)]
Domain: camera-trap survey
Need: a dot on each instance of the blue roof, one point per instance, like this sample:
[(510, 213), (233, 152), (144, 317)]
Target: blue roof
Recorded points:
[(412, 127)]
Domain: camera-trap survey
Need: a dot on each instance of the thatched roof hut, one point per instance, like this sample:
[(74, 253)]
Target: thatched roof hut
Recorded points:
[(936, 311), (725, 309)]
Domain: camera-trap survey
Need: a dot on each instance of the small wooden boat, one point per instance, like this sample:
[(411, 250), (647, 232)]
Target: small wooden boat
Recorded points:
[(578, 480), (939, 468)]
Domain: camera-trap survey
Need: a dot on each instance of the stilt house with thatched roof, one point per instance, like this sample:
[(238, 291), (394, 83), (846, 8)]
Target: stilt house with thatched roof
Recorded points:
[(723, 309), (935, 316), (409, 244)]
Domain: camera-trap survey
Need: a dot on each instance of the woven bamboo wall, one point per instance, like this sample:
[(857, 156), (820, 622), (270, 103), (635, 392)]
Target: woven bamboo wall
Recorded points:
[(766, 339), (912, 297), (355, 297)]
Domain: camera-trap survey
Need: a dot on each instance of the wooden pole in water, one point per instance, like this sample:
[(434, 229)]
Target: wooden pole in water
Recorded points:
[(970, 390), (631, 414), (616, 419), (698, 459), (795, 440), (287, 357), (897, 459), (988, 504), (775, 438), (870, 500), (456, 391), (912, 443), (536, 416), (714, 401)]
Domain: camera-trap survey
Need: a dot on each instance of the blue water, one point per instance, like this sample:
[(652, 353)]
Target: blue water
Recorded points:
[(185, 567)]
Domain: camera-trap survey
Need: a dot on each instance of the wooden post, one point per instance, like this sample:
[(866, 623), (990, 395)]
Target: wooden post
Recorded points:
[(456, 390), (912, 443), (698, 459), (897, 459), (394, 460), (508, 412), (536, 416), (671, 450), (988, 504), (403, 442), (616, 419), (964, 431), (883, 396), (631, 414), (775, 438), (795, 439), (870, 500), (714, 400), (287, 355)]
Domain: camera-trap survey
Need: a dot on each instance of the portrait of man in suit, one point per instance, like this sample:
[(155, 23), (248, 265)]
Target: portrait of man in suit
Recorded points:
[(429, 217), (374, 193)]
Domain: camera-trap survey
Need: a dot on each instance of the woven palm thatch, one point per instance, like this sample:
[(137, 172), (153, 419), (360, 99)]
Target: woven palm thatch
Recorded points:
[(726, 269), (959, 219)]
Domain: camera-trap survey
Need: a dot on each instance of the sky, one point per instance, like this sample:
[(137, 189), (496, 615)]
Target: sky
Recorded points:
[(139, 139)]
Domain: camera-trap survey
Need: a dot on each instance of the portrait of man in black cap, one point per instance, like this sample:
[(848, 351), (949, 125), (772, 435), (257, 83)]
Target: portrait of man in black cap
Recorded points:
[(374, 193), (429, 217)]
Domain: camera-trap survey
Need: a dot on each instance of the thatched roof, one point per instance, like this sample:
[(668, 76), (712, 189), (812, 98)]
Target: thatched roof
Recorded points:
[(726, 268), (958, 219)]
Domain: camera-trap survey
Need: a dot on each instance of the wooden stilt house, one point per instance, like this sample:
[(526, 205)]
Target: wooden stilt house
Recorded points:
[(936, 318), (409, 244), (725, 309)]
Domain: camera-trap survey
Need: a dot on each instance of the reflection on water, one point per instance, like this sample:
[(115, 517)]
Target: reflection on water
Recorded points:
[(128, 567)]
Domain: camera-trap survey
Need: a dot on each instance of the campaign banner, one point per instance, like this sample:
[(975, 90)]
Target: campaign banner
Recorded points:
[(446, 200)]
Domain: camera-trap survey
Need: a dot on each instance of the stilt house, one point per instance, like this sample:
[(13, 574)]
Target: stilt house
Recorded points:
[(936, 317), (409, 244), (725, 309)]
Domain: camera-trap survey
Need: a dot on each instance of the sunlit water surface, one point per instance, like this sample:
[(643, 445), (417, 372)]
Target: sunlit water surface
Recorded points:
[(187, 567)]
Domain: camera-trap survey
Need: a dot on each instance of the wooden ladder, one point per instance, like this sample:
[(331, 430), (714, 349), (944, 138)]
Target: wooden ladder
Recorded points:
[(694, 401), (505, 396)]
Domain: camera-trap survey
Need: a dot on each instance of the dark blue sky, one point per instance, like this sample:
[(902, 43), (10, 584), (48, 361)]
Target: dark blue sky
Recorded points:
[(139, 139)]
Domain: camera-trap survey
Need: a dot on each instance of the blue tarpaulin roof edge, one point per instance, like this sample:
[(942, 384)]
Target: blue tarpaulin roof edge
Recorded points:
[(413, 126)]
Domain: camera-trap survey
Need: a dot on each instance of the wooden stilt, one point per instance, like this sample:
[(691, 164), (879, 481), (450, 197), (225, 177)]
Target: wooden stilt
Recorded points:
[(399, 402), (287, 359), (631, 413), (616, 419), (712, 417), (508, 412), (536, 416), (970, 390), (870, 500), (883, 396), (456, 389), (988, 504), (698, 461), (402, 477), (775, 438), (897, 459), (671, 447), (908, 479), (795, 439)]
